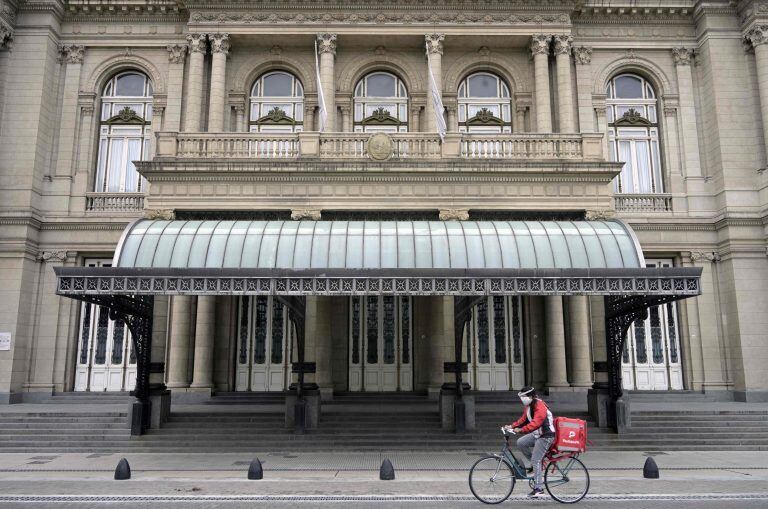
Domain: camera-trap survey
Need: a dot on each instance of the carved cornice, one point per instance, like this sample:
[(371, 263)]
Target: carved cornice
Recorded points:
[(219, 43), (124, 10), (177, 53), (72, 53), (196, 43), (435, 43), (682, 56), (610, 13), (563, 44), (582, 54), (540, 44), (51, 256), (326, 43)]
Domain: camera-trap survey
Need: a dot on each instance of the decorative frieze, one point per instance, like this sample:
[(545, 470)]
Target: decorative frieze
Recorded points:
[(582, 54), (177, 53), (72, 53), (540, 44), (326, 43), (219, 43), (563, 44), (164, 214), (435, 43), (197, 43), (682, 56), (51, 256), (454, 214), (306, 214)]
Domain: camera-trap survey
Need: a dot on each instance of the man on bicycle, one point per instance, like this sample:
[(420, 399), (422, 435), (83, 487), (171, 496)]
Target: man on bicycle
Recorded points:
[(538, 427)]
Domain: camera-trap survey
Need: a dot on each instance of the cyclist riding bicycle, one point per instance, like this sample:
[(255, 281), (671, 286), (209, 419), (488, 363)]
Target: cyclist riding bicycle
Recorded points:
[(537, 426)]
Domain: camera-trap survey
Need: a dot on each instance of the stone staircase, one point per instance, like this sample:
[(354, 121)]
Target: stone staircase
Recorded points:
[(233, 422)]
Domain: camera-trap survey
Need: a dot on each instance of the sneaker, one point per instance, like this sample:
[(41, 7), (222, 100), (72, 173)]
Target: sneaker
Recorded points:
[(529, 470), (536, 493)]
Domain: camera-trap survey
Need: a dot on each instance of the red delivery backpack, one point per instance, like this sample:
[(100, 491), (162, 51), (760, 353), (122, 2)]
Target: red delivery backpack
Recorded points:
[(570, 435)]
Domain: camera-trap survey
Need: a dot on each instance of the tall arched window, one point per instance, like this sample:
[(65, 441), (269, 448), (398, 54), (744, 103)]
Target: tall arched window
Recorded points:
[(381, 104), (633, 134), (484, 104), (277, 103), (124, 132)]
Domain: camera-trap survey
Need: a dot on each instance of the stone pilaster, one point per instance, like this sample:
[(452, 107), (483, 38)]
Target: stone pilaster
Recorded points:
[(683, 58), (578, 317), (540, 52), (178, 357), (193, 108), (72, 59), (435, 62), (326, 46), (220, 49), (205, 330), (758, 36), (564, 87), (177, 54), (519, 125), (582, 56), (557, 377)]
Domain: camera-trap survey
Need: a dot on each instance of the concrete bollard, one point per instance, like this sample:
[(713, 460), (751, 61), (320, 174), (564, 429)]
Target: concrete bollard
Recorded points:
[(255, 471), (123, 470), (387, 471), (650, 469)]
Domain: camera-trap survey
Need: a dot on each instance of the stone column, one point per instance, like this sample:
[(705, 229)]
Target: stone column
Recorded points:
[(309, 117), (564, 86), (346, 118), (240, 123), (578, 315), (759, 38), (178, 357), (177, 53), (690, 137), (415, 120), (220, 50), (193, 108), (205, 329), (556, 370), (326, 46), (435, 62), (602, 125), (540, 52), (321, 329), (582, 55), (453, 119), (72, 55), (519, 125)]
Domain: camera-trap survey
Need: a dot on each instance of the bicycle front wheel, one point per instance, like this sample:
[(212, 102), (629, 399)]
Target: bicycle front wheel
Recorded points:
[(567, 481), (491, 480)]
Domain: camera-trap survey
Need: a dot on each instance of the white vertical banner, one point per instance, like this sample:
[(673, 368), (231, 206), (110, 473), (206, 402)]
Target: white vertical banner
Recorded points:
[(320, 96), (437, 100)]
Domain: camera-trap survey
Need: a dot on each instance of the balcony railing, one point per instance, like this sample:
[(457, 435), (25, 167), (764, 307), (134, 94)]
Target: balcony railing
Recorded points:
[(114, 202), (399, 146), (643, 202)]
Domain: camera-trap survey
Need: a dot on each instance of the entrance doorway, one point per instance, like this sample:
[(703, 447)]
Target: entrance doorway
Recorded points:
[(651, 358), (380, 343), (495, 344), (263, 333), (105, 357)]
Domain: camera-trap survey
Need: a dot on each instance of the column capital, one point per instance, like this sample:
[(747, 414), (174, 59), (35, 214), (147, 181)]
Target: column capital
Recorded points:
[(682, 56), (6, 35), (758, 35), (326, 43), (563, 44), (540, 44), (196, 43), (72, 53), (177, 53), (582, 54), (219, 43), (435, 43)]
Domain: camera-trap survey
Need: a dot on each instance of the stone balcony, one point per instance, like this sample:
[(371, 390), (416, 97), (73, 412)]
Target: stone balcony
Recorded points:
[(114, 203)]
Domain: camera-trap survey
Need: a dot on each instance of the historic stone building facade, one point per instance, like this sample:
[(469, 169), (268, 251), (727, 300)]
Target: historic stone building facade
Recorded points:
[(220, 103)]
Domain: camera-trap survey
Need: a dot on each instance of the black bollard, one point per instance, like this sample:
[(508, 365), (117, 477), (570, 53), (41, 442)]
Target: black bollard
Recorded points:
[(387, 471), (123, 470), (650, 469), (255, 471)]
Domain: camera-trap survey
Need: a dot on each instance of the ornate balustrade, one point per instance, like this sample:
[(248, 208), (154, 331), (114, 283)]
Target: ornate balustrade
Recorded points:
[(643, 202), (114, 202), (357, 146)]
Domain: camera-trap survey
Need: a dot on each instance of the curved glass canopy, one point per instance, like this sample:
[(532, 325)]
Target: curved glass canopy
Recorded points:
[(379, 245)]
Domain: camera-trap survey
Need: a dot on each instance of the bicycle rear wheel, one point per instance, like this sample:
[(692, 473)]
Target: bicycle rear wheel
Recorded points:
[(567, 481), (491, 480)]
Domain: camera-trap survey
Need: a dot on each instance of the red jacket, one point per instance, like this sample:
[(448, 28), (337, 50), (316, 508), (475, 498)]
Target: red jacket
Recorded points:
[(541, 420)]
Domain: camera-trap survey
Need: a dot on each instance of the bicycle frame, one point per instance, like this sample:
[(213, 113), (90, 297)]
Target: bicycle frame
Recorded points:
[(551, 457)]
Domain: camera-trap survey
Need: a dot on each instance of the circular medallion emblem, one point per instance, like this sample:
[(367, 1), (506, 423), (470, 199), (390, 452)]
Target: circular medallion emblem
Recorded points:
[(380, 147)]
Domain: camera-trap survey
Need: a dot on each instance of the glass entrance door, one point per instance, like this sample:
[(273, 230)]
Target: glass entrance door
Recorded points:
[(262, 345), (105, 357), (380, 344), (651, 358), (495, 344)]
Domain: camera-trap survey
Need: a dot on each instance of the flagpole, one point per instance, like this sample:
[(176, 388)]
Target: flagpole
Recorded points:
[(320, 95)]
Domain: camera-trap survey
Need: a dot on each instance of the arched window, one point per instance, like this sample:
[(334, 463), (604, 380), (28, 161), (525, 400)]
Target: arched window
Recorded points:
[(124, 132), (484, 104), (381, 104), (277, 103), (633, 134)]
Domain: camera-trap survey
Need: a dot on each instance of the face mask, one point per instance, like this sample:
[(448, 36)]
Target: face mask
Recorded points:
[(527, 400)]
